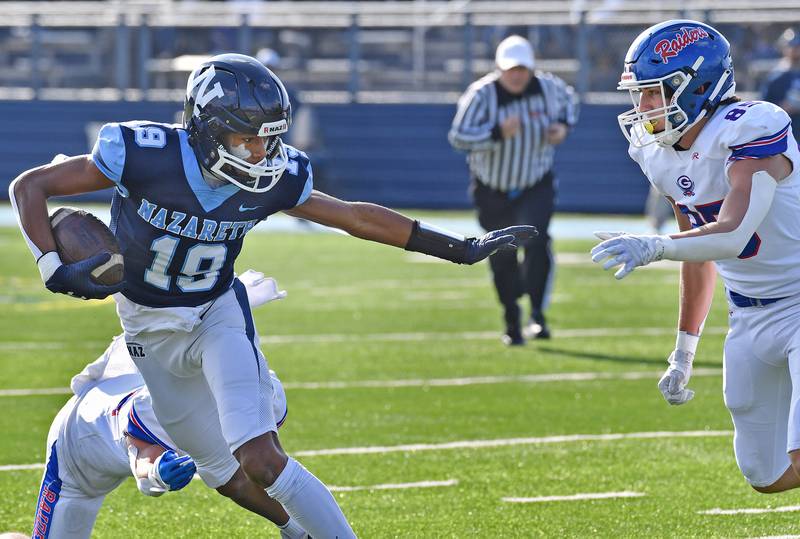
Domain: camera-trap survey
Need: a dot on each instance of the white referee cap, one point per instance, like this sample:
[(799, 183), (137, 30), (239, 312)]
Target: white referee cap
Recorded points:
[(514, 51)]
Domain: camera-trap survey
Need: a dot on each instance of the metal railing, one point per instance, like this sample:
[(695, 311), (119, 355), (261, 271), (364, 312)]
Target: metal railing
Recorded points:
[(356, 51)]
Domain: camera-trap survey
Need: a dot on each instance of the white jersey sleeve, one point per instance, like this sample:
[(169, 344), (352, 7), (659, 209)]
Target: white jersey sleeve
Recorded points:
[(114, 362), (756, 129), (141, 422), (639, 156)]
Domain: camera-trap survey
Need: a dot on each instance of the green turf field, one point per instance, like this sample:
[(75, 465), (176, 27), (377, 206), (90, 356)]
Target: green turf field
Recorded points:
[(368, 317)]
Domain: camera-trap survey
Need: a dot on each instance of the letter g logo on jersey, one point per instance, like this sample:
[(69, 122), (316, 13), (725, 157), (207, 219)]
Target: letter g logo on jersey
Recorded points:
[(686, 185)]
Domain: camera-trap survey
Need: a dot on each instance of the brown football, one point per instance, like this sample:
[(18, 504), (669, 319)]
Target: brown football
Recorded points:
[(80, 235)]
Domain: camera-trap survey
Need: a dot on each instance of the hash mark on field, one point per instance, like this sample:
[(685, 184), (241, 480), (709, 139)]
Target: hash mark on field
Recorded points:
[(429, 382), (751, 510), (473, 444), (393, 486), (576, 497)]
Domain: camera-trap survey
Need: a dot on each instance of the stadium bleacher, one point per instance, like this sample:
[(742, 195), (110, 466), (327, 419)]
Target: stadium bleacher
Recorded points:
[(381, 78)]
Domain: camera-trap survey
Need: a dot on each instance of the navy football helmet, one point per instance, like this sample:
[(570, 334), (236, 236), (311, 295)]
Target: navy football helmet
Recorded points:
[(690, 62), (234, 93)]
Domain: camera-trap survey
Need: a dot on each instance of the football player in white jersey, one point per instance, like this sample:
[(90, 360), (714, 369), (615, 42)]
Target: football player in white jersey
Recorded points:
[(730, 170), (108, 432)]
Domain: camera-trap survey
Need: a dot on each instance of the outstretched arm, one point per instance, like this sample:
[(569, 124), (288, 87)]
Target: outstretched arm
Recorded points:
[(377, 223), (359, 219), (753, 184)]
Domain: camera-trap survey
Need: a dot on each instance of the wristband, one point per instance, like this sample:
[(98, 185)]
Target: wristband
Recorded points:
[(430, 240), (155, 477), (48, 264), (686, 342)]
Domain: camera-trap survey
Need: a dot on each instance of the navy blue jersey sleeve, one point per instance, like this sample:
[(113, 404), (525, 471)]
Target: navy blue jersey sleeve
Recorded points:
[(108, 153), (300, 167)]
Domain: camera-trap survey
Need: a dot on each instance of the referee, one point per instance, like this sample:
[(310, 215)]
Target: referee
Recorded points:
[(509, 123)]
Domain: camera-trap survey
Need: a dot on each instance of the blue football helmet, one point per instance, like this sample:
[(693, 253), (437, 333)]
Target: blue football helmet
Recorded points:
[(234, 93), (690, 62)]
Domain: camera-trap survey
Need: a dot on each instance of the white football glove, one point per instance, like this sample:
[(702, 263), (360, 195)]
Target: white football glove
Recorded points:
[(260, 289), (673, 384), (627, 251)]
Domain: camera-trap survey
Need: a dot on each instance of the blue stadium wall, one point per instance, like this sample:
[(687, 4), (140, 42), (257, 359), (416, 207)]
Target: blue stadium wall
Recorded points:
[(396, 155)]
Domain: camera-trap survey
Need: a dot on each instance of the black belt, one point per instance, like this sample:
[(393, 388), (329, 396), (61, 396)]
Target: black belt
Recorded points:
[(743, 301)]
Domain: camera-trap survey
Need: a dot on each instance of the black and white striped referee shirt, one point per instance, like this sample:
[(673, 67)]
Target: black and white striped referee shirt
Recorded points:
[(520, 161)]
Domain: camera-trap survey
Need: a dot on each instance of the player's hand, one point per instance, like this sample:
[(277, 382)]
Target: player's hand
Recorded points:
[(510, 126), (673, 384), (506, 239), (627, 251), (556, 133), (75, 279), (172, 472), (260, 289)]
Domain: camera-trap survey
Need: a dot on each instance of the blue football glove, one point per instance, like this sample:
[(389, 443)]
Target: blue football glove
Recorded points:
[(75, 279), (172, 472), (506, 239)]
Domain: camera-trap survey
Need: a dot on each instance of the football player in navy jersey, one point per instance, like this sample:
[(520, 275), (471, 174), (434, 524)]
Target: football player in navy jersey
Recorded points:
[(185, 198)]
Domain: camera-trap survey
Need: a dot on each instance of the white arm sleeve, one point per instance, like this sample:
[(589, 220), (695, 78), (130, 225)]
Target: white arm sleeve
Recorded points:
[(727, 244)]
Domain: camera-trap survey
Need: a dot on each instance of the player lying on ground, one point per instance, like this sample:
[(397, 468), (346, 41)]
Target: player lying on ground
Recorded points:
[(107, 432), (730, 169), (184, 199)]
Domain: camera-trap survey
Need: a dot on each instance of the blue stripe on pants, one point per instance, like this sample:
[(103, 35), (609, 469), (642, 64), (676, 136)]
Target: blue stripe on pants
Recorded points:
[(48, 497), (250, 328)]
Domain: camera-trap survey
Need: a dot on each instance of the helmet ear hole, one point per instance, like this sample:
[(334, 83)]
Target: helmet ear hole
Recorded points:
[(702, 89)]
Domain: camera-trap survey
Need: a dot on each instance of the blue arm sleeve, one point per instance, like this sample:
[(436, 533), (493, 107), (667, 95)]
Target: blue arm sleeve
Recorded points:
[(108, 153)]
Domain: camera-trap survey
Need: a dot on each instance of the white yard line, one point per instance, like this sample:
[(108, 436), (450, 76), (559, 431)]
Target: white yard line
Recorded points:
[(34, 392), (470, 335), (473, 444), (396, 486), (751, 510), (389, 337), (576, 497), (507, 442), (481, 380), (430, 382), (15, 467)]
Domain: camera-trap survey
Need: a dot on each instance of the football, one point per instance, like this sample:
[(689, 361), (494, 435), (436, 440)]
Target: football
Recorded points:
[(80, 235)]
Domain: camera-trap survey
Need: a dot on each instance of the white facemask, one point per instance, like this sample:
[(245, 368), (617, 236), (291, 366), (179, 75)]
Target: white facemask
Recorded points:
[(269, 170)]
